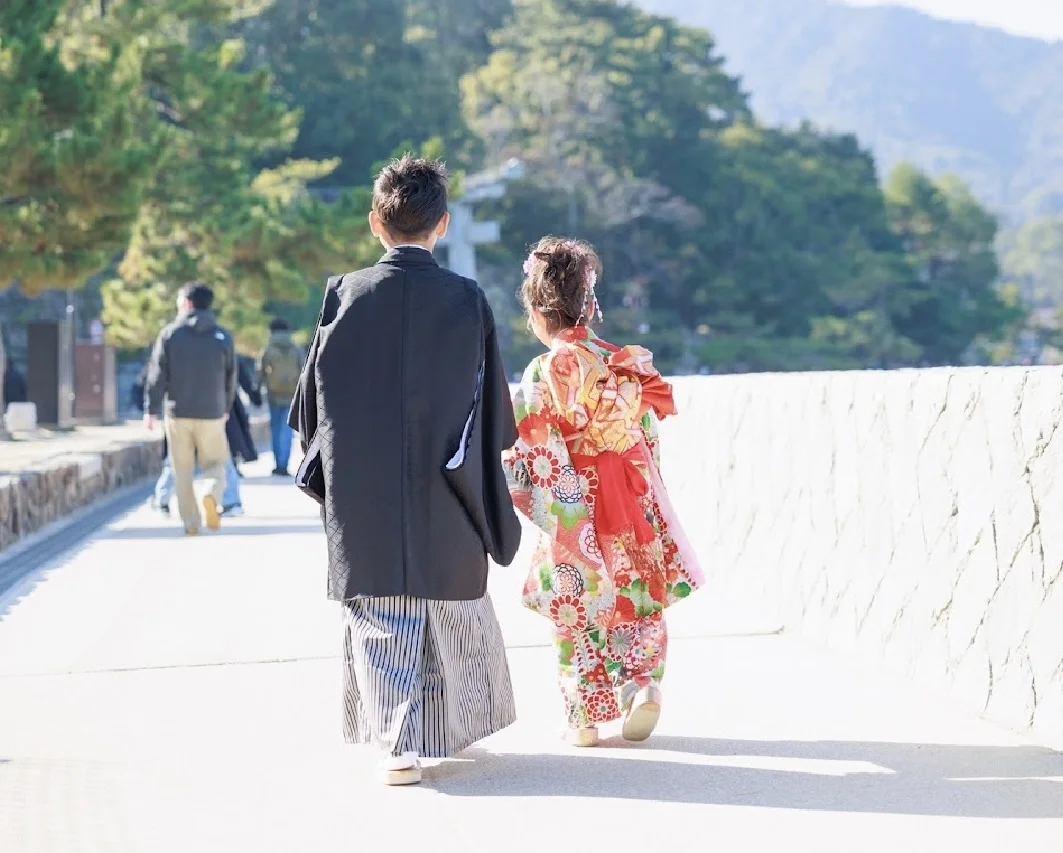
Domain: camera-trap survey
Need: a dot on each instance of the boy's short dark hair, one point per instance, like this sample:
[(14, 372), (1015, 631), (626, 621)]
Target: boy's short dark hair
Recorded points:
[(201, 296), (410, 196), (279, 324)]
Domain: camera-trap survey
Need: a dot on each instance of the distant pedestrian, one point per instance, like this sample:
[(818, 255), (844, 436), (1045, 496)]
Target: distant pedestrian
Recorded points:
[(238, 431), (193, 369), (15, 389), (136, 393), (585, 471), (280, 366), (137, 404), (241, 446), (3, 389)]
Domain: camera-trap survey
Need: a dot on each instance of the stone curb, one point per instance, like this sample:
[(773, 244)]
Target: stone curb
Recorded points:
[(65, 483), (30, 500)]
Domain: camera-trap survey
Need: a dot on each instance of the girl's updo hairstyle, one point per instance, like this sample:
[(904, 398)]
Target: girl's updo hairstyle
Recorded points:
[(559, 278)]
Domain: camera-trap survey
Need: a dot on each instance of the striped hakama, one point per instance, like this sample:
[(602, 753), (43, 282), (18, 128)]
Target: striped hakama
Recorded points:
[(424, 676)]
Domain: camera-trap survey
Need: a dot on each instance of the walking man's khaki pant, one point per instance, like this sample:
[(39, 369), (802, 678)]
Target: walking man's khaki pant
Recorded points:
[(189, 439)]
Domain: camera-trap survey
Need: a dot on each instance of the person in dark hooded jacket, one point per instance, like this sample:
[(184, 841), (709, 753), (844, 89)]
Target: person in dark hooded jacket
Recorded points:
[(241, 447), (193, 370)]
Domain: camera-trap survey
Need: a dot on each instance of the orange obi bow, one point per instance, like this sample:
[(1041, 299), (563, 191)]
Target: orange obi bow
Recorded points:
[(620, 485), (656, 393)]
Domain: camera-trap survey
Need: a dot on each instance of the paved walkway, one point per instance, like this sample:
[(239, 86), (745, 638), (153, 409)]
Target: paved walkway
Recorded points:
[(165, 694)]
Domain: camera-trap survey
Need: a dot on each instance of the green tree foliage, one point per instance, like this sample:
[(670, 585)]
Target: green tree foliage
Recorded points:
[(75, 155), (813, 269), (1032, 262), (370, 75), (254, 236), (949, 242), (616, 115), (727, 243)]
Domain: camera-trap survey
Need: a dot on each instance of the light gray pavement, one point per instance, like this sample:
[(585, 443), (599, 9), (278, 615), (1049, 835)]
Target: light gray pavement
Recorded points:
[(166, 694)]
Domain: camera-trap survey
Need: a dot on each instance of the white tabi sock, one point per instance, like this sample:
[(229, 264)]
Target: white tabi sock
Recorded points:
[(406, 761)]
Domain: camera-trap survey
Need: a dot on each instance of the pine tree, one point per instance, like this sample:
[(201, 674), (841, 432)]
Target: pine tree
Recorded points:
[(254, 236), (371, 75), (75, 156)]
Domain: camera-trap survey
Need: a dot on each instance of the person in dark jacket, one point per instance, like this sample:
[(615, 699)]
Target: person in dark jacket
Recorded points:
[(238, 427), (15, 390), (3, 390), (136, 393), (404, 408), (241, 446), (279, 368), (193, 370), (241, 440)]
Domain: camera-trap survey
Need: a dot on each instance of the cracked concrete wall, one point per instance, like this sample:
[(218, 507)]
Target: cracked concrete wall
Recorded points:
[(911, 516)]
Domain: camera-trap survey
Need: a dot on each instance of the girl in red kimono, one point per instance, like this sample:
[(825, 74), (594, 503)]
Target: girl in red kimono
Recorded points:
[(585, 470)]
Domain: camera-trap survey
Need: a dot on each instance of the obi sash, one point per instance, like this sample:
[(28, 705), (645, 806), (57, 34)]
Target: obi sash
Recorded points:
[(620, 485)]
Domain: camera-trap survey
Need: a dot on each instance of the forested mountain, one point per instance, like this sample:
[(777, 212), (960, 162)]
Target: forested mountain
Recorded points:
[(728, 243), (950, 97)]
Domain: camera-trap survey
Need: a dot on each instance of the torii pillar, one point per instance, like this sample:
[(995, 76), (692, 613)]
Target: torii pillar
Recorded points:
[(465, 233), (463, 236)]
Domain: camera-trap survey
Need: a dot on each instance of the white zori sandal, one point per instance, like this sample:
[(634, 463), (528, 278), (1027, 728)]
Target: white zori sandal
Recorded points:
[(642, 714), (402, 769), (581, 737)]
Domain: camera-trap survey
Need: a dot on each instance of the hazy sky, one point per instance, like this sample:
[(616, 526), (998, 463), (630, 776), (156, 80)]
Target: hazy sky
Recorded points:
[(1041, 18)]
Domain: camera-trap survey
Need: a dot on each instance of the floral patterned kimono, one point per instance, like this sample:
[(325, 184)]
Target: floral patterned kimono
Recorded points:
[(611, 556)]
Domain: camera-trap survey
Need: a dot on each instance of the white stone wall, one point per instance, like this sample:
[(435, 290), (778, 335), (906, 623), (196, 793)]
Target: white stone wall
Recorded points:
[(914, 516)]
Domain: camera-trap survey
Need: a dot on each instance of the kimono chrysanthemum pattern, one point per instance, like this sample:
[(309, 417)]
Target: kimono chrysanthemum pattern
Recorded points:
[(587, 415)]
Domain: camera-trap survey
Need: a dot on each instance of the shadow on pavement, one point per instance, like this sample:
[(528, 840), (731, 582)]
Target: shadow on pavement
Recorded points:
[(919, 779), (268, 480), (290, 518), (232, 529)]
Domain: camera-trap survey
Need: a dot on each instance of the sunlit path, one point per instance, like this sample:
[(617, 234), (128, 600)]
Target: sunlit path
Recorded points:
[(166, 694)]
